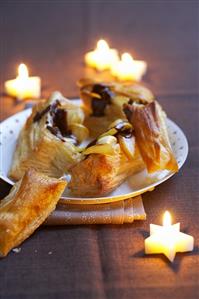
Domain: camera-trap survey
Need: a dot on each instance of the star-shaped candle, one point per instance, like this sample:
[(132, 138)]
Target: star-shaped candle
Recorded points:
[(168, 239), (102, 57), (128, 68), (23, 86)]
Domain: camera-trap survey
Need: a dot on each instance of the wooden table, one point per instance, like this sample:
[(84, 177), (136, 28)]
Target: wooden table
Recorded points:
[(108, 261)]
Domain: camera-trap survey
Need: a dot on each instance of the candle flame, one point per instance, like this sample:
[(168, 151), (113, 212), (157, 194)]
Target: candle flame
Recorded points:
[(127, 58), (102, 45), (167, 219), (22, 71)]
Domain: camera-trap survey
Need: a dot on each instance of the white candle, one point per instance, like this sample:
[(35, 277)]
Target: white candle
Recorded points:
[(168, 239), (102, 57), (23, 86), (128, 68)]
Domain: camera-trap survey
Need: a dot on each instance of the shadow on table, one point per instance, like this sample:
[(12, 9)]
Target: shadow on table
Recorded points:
[(175, 266)]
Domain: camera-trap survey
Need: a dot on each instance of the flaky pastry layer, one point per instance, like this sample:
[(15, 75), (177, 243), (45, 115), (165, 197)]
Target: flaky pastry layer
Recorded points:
[(26, 207)]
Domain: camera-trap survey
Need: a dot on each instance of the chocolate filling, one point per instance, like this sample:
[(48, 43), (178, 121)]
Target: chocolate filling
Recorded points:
[(93, 142), (40, 114), (59, 126), (127, 133), (127, 111), (60, 121), (99, 105), (55, 131)]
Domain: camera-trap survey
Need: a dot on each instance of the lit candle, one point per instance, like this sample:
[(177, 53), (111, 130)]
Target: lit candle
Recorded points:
[(168, 239), (128, 68), (102, 57), (23, 86)]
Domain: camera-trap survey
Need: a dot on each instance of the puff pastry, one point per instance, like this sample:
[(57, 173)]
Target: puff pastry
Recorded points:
[(50, 138), (151, 135), (26, 207), (109, 160), (136, 103), (104, 101)]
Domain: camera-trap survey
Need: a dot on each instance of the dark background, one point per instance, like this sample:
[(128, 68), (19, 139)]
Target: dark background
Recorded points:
[(51, 37)]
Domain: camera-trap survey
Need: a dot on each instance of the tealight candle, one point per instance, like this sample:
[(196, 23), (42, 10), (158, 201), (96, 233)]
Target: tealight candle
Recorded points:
[(128, 68), (102, 57), (168, 239), (23, 86)]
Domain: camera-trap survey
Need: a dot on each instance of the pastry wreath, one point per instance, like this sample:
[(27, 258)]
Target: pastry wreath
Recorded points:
[(53, 138)]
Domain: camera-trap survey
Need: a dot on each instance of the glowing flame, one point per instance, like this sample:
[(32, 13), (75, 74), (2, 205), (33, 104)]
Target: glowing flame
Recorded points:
[(22, 71), (167, 219), (102, 45), (127, 58)]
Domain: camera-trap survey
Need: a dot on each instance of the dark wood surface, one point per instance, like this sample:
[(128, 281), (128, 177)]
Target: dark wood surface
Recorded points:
[(108, 261)]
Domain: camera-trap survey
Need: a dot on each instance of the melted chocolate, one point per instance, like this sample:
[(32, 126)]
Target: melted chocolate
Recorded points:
[(60, 121), (99, 105), (40, 114), (93, 142), (59, 126), (53, 130), (127, 133), (54, 106), (127, 111), (130, 102)]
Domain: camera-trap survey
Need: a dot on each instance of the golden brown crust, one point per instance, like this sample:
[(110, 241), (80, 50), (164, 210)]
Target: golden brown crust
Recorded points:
[(151, 136), (38, 148), (26, 207), (119, 93), (135, 91), (96, 126), (98, 174)]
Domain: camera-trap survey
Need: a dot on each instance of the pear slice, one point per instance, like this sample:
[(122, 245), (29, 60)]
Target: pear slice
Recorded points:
[(80, 131), (127, 145), (103, 149), (107, 140), (111, 132)]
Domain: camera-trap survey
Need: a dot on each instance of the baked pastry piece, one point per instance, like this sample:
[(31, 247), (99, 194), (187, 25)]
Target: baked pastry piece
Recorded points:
[(109, 160), (104, 102), (26, 207), (49, 140), (148, 121)]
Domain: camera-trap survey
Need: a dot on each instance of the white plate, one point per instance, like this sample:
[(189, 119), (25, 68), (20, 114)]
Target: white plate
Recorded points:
[(133, 186)]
